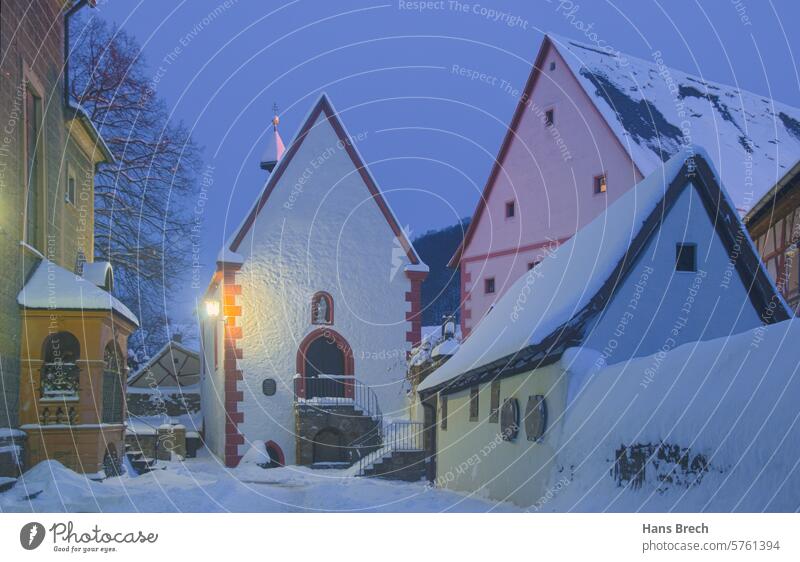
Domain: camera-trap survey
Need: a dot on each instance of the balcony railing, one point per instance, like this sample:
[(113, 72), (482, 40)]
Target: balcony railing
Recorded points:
[(333, 390), (60, 381)]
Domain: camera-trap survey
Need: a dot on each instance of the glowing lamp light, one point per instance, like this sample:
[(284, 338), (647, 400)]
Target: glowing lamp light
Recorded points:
[(212, 308)]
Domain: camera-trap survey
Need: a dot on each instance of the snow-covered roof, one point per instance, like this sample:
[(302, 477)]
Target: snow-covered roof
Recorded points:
[(751, 139), (731, 399), (569, 280), (173, 362), (51, 287), (99, 273)]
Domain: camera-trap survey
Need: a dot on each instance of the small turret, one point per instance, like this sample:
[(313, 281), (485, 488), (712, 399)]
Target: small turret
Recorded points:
[(274, 150)]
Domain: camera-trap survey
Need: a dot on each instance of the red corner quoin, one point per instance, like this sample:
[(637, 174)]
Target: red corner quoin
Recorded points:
[(233, 333)]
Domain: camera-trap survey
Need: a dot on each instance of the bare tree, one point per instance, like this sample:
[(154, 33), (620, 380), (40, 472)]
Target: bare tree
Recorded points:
[(142, 219)]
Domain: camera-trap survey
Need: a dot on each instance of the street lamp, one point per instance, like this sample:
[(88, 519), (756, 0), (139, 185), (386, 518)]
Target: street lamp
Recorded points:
[(212, 308)]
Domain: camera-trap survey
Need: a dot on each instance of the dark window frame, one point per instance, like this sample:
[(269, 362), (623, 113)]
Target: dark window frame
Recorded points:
[(443, 411), (600, 184), (474, 403), (511, 209), (549, 117), (494, 402), (686, 257), (489, 287)]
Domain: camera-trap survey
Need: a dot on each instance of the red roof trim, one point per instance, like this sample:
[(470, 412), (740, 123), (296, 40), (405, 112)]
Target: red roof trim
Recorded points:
[(324, 105)]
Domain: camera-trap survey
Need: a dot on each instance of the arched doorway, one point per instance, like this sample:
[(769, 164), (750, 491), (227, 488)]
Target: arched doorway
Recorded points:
[(323, 359), (328, 446)]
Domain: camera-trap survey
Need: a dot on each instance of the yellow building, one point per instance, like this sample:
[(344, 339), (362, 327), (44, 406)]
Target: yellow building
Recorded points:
[(63, 337)]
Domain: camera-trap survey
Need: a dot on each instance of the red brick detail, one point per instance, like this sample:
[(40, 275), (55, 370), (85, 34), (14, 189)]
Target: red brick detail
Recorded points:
[(233, 332), (414, 298)]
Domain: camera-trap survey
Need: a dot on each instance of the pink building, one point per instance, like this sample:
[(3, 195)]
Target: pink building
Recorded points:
[(589, 125)]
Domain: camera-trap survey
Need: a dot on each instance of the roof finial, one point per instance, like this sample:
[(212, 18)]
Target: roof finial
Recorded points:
[(275, 119)]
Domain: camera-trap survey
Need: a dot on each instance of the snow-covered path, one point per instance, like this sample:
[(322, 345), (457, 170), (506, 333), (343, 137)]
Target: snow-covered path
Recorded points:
[(205, 485)]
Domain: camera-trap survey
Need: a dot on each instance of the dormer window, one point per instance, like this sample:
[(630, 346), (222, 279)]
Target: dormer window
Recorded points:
[(322, 308)]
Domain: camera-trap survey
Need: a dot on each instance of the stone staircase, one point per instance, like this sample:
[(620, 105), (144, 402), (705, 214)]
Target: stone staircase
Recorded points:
[(139, 461), (400, 457)]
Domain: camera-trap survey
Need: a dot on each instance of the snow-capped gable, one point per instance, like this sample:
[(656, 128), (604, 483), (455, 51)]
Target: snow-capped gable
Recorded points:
[(545, 311), (654, 109), (323, 111)]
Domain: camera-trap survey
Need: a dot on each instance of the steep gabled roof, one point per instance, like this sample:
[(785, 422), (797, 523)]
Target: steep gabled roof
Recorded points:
[(324, 107), (574, 284), (649, 107), (168, 370)]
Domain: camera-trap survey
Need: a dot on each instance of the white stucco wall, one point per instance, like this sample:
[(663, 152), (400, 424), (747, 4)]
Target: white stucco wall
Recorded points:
[(661, 309), (657, 308), (324, 234), (212, 383)]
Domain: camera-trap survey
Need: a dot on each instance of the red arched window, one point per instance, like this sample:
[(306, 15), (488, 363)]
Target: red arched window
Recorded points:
[(322, 308)]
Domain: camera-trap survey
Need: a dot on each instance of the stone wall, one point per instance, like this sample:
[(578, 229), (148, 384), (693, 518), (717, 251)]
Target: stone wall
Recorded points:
[(172, 404), (352, 425)]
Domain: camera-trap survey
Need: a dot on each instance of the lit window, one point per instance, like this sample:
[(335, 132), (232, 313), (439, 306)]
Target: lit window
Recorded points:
[(488, 285), (510, 209), (685, 257), (600, 184)]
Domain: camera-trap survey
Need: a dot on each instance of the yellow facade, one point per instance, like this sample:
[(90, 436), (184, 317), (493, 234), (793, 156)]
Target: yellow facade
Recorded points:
[(78, 438), (471, 456)]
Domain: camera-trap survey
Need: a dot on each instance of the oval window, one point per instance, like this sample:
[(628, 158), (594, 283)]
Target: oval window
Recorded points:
[(268, 387), (535, 417)]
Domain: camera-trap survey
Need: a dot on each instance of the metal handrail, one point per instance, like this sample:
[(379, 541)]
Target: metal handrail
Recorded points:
[(340, 390), (397, 436)]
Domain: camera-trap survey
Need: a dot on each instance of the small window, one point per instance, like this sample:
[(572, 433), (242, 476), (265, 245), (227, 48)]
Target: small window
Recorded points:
[(510, 209), (600, 184), (488, 285), (549, 118), (473, 403), (443, 410), (532, 264), (69, 192), (494, 406), (686, 257), (552, 65)]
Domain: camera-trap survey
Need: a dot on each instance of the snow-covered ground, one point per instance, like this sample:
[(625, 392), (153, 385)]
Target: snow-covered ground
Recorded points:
[(205, 485)]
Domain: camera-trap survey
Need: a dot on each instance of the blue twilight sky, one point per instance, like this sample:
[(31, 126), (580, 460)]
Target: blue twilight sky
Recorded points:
[(431, 134)]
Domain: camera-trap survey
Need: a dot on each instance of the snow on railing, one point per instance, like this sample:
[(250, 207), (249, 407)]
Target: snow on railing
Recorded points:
[(337, 390)]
